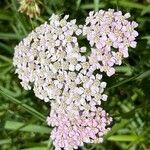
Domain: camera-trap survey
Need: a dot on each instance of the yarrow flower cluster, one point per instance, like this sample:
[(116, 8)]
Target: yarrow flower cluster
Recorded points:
[(73, 126), (51, 61), (110, 35)]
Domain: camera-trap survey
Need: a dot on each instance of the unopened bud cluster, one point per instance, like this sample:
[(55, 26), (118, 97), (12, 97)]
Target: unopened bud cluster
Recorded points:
[(30, 7)]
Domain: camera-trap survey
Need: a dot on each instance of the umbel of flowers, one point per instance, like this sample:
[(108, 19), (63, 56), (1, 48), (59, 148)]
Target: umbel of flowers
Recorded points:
[(51, 61)]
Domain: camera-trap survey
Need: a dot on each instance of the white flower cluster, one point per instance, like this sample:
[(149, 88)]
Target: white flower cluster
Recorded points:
[(46, 55), (109, 34), (51, 61)]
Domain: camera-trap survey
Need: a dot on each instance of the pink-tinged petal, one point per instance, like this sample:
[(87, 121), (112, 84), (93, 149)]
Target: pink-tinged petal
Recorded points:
[(110, 71), (127, 15), (100, 134), (61, 144), (103, 113), (71, 133), (104, 38), (99, 45), (112, 36), (125, 22), (131, 38), (97, 118), (133, 44), (104, 97), (75, 147), (92, 135), (95, 123), (93, 108), (91, 13), (107, 48), (125, 54), (134, 24), (93, 22), (121, 46), (101, 128), (65, 135), (116, 14), (135, 33), (86, 139), (127, 34), (103, 119), (89, 123), (91, 42), (115, 44), (110, 63), (124, 28), (119, 26), (58, 148)]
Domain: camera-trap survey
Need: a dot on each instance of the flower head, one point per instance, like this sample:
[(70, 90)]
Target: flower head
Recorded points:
[(110, 34), (74, 127), (46, 55)]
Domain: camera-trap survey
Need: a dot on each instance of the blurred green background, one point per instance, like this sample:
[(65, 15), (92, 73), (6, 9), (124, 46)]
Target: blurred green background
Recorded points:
[(22, 115)]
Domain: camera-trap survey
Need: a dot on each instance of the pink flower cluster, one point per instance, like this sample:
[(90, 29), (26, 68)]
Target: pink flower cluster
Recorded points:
[(110, 35), (51, 61), (75, 127)]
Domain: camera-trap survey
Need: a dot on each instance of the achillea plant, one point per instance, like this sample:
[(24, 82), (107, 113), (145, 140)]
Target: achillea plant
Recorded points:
[(51, 60)]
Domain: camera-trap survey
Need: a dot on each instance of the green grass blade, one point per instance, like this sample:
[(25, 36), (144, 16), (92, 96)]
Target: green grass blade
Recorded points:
[(129, 4), (144, 75), (36, 148), (4, 58), (78, 4), (125, 138), (14, 125), (10, 93), (18, 18), (5, 141), (127, 70), (137, 77), (25, 106), (96, 5), (92, 6), (123, 82), (6, 47), (116, 127), (5, 16), (126, 4), (9, 36)]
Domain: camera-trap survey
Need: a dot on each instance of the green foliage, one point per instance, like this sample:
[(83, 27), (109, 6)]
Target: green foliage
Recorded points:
[(22, 115)]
